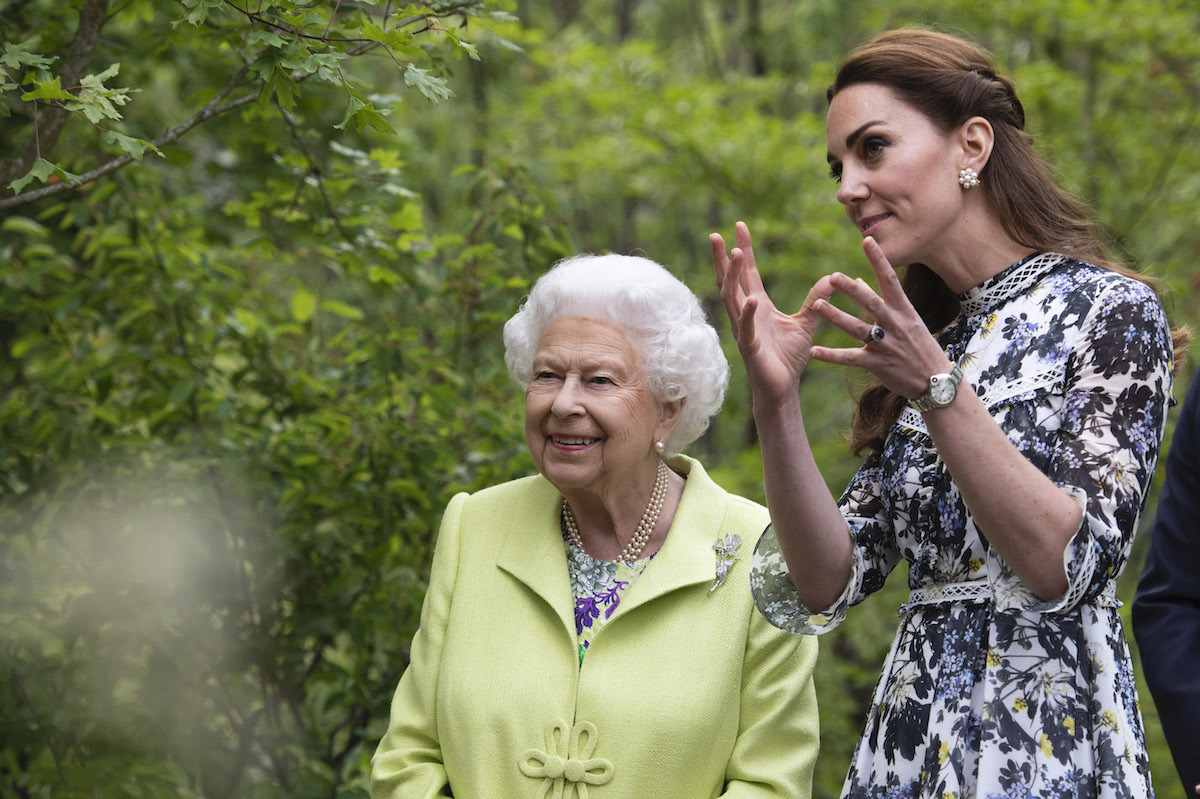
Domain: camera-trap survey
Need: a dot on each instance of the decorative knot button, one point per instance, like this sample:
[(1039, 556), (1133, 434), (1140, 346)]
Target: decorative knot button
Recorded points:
[(566, 767)]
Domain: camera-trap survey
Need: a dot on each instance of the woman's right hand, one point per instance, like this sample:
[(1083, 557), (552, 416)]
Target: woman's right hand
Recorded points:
[(774, 345)]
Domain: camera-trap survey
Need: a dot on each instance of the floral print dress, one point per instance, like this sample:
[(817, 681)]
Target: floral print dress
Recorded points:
[(597, 586), (987, 690)]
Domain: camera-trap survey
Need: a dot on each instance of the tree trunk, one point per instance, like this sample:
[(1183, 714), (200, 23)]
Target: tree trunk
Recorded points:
[(624, 18), (755, 39)]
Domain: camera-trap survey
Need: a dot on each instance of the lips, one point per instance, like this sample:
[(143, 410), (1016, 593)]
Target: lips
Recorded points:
[(867, 223), (573, 441)]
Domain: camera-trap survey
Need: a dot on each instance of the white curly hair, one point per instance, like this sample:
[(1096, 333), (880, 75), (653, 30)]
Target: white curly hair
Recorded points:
[(679, 350)]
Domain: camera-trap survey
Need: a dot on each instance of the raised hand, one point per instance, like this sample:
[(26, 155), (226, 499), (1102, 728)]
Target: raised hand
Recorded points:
[(907, 354), (774, 345)]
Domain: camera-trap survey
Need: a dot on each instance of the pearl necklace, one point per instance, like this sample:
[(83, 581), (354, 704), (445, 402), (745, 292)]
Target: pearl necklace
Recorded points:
[(641, 536)]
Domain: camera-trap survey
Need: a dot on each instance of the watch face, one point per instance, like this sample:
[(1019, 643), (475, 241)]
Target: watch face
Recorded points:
[(942, 389)]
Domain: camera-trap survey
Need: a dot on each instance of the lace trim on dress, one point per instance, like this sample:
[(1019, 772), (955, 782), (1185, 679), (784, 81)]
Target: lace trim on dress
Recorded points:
[(912, 419), (1014, 280), (978, 591), (1079, 580), (1022, 386)]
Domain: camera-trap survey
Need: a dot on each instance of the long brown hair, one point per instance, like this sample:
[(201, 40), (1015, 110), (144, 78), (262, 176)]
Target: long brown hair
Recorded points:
[(951, 80)]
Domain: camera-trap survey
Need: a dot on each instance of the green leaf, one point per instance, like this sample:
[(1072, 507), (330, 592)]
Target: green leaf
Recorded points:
[(106, 415), (507, 44), (407, 218), (331, 60), (363, 114), (399, 42), (266, 38), (41, 170), (23, 345), (23, 224), (431, 86), (49, 90), (387, 159), (128, 144), (465, 47), (97, 101), (303, 305), (180, 392), (351, 109), (248, 320), (381, 274), (283, 86), (343, 310), (17, 55), (199, 11)]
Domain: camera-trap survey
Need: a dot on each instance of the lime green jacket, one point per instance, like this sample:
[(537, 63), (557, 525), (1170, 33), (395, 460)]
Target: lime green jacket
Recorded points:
[(683, 694)]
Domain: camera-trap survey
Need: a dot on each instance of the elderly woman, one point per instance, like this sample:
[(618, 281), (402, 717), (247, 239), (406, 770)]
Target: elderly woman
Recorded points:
[(588, 631)]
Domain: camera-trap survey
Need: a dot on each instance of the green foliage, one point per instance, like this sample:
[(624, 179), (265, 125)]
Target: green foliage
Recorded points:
[(243, 379), (222, 481)]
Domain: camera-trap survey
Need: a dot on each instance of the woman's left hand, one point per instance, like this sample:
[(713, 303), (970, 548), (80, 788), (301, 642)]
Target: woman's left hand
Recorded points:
[(908, 354)]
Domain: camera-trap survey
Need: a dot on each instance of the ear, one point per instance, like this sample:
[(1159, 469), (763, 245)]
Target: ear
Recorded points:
[(976, 138), (670, 415)]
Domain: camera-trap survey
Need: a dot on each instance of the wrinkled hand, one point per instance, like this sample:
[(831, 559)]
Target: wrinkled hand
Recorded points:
[(908, 354), (774, 346)]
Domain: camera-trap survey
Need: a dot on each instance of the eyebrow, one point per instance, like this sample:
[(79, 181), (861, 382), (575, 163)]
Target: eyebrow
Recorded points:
[(853, 137)]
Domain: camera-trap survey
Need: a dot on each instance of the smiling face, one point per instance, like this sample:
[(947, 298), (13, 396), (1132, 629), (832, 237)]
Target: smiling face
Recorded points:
[(897, 172), (590, 418)]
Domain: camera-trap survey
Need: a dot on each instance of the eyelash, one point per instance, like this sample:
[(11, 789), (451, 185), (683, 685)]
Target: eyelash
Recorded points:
[(548, 375), (835, 170)]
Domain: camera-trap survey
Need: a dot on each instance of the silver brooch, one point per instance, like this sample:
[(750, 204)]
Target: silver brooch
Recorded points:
[(727, 552)]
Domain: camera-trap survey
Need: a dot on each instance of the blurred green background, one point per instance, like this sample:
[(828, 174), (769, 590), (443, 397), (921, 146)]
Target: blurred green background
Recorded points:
[(242, 371)]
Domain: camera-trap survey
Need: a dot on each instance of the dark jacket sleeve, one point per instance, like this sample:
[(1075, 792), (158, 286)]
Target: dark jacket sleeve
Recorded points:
[(1166, 608)]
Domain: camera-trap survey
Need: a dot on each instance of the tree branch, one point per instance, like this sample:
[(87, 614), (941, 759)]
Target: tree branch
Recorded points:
[(92, 17), (315, 170), (211, 109)]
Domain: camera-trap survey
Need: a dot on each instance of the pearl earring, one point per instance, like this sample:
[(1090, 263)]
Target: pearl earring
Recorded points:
[(659, 446), (968, 178)]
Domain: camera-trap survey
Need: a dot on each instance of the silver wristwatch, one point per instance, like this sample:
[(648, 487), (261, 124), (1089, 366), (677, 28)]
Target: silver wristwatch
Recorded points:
[(942, 390)]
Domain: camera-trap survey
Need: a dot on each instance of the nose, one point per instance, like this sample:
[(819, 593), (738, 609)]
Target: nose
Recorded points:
[(568, 400), (851, 188)]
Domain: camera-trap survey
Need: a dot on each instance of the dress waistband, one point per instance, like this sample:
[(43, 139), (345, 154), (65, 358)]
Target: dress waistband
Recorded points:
[(977, 591)]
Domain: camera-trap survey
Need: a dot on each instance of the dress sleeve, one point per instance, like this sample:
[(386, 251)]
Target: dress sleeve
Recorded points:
[(1118, 384), (776, 748), (874, 555), (408, 762)]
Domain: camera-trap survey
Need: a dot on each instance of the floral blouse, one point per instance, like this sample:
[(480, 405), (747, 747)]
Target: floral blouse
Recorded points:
[(987, 690), (597, 586)]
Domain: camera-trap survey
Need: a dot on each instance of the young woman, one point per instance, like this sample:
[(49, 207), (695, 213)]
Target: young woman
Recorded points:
[(1021, 389)]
